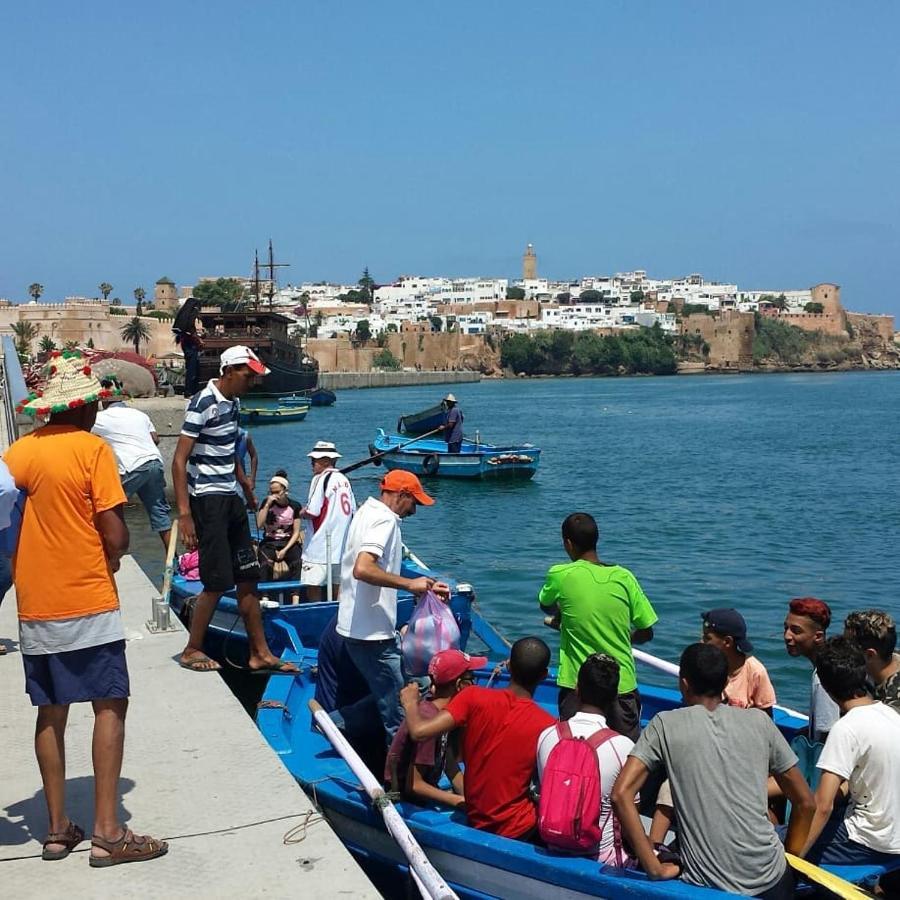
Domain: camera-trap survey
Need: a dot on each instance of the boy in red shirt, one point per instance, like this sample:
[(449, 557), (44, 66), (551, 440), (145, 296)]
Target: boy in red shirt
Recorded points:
[(414, 769), (499, 741)]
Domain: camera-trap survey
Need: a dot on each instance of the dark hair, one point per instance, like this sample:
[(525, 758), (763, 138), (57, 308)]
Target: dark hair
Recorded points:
[(281, 473), (812, 608), (528, 661), (841, 667), (581, 530), (598, 680), (705, 669), (873, 629)]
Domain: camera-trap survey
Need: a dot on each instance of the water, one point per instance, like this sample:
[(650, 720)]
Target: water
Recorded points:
[(736, 491)]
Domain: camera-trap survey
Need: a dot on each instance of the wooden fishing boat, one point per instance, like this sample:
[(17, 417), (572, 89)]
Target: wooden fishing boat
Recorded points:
[(322, 397), (424, 421), (474, 863), (294, 411), (429, 456)]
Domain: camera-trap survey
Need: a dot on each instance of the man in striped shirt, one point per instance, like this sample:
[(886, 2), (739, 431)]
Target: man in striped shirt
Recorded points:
[(211, 515)]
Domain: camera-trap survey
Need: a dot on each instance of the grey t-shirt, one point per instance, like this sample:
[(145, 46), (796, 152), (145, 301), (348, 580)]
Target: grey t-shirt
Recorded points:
[(718, 764)]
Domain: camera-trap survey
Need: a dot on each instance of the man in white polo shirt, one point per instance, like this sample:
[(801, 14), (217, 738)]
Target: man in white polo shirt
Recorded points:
[(134, 440), (329, 509), (370, 578)]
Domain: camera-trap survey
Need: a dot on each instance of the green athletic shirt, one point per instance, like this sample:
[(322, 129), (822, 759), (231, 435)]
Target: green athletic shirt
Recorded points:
[(599, 608)]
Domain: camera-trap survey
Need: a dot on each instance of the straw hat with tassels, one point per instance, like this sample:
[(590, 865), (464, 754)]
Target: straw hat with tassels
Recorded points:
[(68, 382)]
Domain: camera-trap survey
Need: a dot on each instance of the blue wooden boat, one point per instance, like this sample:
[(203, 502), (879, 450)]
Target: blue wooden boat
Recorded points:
[(429, 456), (322, 397), (476, 864), (424, 421), (292, 411)]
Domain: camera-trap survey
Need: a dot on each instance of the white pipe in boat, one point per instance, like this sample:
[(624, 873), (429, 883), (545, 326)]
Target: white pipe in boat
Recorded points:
[(329, 590), (412, 556), (430, 883)]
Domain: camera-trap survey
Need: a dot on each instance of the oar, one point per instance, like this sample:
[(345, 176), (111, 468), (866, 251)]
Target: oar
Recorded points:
[(429, 882), (170, 562), (832, 883), (376, 456)]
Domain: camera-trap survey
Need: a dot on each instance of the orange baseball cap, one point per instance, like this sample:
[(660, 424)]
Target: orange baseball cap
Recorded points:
[(398, 481)]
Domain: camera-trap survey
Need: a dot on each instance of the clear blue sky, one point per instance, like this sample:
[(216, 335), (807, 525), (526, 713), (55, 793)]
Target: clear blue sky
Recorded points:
[(751, 142)]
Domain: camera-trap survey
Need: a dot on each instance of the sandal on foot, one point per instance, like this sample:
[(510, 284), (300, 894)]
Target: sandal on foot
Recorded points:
[(276, 668), (130, 847), (201, 663), (70, 839)]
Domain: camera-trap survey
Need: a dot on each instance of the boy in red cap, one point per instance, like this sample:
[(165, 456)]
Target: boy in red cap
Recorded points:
[(415, 769)]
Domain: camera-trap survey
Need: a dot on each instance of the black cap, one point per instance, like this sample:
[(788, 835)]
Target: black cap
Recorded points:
[(731, 623)]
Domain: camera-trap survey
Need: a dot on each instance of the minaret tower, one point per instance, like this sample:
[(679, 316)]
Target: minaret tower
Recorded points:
[(529, 263)]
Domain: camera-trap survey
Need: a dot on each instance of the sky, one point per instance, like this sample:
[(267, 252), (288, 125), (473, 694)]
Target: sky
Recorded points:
[(756, 143)]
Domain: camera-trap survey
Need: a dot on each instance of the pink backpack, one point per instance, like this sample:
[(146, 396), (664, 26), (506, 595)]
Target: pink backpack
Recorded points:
[(571, 795)]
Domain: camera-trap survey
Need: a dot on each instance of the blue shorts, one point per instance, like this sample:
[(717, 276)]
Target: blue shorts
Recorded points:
[(77, 676), (149, 483)]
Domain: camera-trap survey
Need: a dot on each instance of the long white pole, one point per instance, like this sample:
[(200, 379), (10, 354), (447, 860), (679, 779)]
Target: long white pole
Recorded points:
[(430, 883), (329, 590)]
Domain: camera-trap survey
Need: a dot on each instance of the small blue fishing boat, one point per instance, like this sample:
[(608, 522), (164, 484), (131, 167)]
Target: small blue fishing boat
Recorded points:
[(424, 421), (322, 397), (294, 410), (475, 864), (429, 456)]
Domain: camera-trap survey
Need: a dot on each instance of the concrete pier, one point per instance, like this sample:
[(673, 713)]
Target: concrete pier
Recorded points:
[(335, 381), (196, 773)]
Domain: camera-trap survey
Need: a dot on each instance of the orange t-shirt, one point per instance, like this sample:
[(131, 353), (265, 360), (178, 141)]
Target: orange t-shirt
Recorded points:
[(750, 687), (60, 567)]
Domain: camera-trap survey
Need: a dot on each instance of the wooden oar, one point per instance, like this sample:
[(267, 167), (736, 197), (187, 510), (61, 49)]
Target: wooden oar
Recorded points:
[(833, 883), (376, 456), (170, 562), (430, 883)]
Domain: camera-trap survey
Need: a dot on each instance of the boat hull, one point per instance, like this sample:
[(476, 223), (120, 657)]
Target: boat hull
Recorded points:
[(424, 421), (273, 415), (429, 458)]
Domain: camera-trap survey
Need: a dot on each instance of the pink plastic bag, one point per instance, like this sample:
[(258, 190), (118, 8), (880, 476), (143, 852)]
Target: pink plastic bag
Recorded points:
[(431, 628)]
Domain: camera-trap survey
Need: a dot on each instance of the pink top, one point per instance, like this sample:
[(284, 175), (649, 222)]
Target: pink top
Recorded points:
[(750, 686), (189, 565)]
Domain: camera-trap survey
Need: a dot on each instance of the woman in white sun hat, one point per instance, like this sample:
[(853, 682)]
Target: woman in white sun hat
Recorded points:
[(329, 508)]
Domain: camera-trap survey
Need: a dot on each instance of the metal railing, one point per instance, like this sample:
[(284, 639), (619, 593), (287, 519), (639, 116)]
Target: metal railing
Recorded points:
[(12, 391)]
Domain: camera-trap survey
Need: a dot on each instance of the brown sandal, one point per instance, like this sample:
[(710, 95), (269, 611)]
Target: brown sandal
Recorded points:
[(70, 839), (130, 847)]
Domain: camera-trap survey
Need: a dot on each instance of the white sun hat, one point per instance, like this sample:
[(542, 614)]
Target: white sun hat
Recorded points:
[(450, 398), (324, 450)]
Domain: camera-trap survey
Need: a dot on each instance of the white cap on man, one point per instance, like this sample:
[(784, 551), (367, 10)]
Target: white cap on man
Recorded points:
[(450, 399), (324, 450), (242, 356)]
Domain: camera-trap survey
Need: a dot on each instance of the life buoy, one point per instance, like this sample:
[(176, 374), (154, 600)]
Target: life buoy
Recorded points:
[(373, 452), (257, 331), (431, 464)]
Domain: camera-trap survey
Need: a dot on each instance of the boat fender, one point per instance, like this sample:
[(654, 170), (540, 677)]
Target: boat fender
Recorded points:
[(372, 452), (430, 464)]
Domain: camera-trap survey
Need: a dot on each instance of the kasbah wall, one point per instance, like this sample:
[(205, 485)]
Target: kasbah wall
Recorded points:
[(729, 335)]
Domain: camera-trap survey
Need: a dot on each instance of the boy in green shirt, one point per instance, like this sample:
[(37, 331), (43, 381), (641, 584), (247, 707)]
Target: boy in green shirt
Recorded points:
[(598, 608)]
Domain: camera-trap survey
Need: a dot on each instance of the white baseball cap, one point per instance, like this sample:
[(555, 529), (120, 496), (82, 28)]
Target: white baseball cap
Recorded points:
[(324, 450), (240, 356)]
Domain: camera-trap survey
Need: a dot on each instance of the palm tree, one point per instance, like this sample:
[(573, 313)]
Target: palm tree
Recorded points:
[(135, 331), (35, 290), (25, 333), (105, 289), (139, 294), (47, 344)]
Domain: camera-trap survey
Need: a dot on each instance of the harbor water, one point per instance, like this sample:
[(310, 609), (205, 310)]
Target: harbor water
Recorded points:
[(737, 491)]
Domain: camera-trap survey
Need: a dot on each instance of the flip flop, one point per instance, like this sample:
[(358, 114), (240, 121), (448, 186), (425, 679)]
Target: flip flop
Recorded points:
[(279, 668), (198, 664)]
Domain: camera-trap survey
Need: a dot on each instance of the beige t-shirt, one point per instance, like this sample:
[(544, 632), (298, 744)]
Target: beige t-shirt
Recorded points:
[(750, 686)]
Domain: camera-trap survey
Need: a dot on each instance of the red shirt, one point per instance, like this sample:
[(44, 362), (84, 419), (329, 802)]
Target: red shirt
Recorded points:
[(499, 748)]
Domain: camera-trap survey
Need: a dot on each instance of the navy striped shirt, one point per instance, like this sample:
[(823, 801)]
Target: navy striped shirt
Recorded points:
[(212, 421)]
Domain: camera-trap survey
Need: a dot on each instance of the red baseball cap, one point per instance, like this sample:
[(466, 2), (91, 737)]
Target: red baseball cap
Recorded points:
[(398, 481), (242, 356), (448, 665)]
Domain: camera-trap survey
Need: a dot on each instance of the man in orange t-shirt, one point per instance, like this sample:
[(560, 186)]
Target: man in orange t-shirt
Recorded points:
[(70, 628)]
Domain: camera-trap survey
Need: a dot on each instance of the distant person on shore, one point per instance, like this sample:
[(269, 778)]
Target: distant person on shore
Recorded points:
[(500, 730), (415, 768), (874, 632), (370, 578), (330, 507), (718, 759), (598, 608), (749, 685), (805, 630), (70, 628), (213, 518), (280, 552), (453, 427), (133, 438), (188, 330), (863, 751)]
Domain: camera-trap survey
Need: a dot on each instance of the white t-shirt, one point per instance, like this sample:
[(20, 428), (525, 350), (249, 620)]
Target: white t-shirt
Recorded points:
[(611, 756), (332, 507), (127, 431), (366, 612), (863, 747), (823, 711)]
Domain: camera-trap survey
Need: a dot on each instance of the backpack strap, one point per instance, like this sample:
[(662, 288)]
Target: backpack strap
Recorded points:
[(563, 731), (599, 738)]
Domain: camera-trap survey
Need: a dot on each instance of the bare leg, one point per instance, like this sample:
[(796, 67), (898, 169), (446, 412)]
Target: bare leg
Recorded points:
[(204, 607), (107, 749), (164, 537), (50, 750), (248, 606), (314, 594), (335, 591)]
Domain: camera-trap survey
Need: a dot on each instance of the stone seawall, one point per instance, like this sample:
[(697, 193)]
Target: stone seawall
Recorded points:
[(339, 381)]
